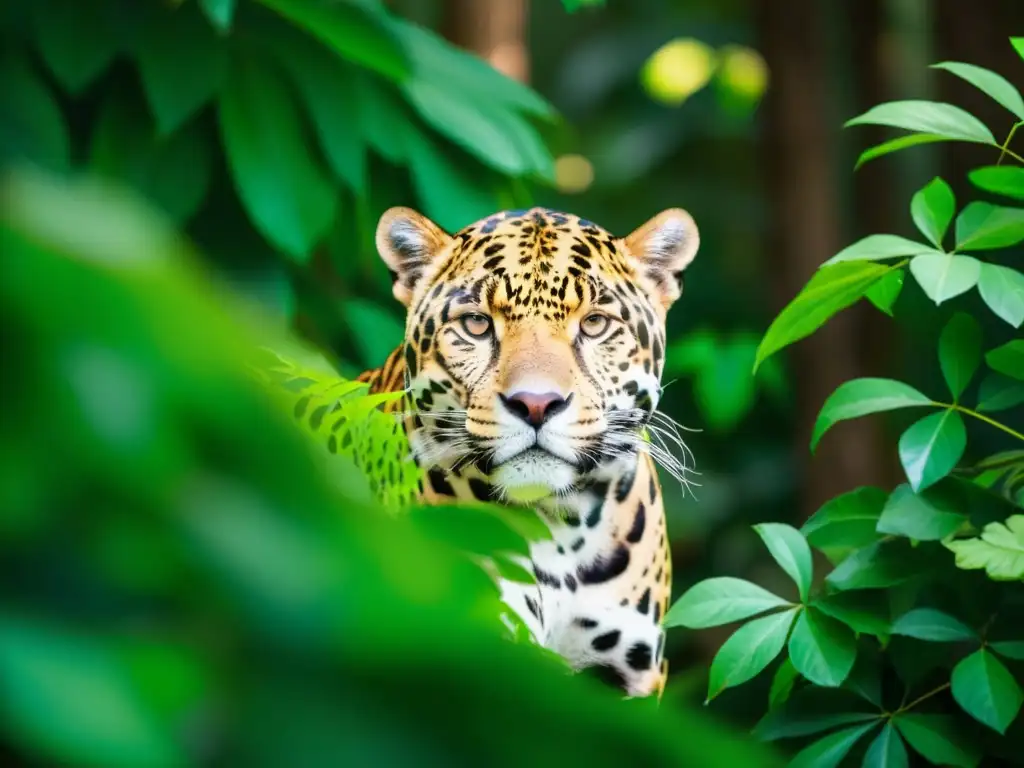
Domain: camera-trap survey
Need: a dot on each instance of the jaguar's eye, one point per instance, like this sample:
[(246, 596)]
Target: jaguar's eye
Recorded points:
[(594, 324), (476, 324)]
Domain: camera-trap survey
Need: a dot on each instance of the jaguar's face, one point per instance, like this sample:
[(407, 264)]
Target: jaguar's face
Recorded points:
[(535, 340)]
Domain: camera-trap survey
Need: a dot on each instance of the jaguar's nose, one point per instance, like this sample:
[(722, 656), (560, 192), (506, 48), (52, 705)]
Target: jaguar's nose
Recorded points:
[(535, 408)]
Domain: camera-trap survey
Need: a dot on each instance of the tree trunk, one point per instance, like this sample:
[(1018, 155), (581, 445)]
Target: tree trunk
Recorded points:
[(799, 146), (495, 30)]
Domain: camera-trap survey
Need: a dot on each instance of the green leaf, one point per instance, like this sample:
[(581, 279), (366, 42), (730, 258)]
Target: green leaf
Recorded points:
[(388, 330), (723, 387), (811, 710), (861, 397), (720, 600), (887, 750), (846, 522), (864, 611), (987, 81), (999, 550), (832, 289), (472, 528), (930, 624), (782, 683), (384, 121), (76, 40), (1008, 359), (878, 565), (829, 751), (451, 186), (356, 32), (1018, 45), (1002, 289), (983, 226), (960, 352), (1006, 180), (474, 128), (931, 447), (998, 392), (571, 6), (1011, 649), (895, 145), (936, 738), (932, 209), (436, 60), (865, 679), (32, 126), (329, 89), (748, 651), (822, 649), (791, 552), (986, 690), (924, 517), (219, 12), (943, 276), (930, 117), (878, 247), (280, 184), (177, 86), (173, 173), (106, 719), (511, 570), (884, 293)]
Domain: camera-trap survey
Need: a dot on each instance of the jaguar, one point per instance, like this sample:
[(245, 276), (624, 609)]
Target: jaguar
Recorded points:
[(532, 360)]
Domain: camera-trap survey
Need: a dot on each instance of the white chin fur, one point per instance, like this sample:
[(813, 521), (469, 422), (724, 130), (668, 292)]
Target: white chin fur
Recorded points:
[(533, 471)]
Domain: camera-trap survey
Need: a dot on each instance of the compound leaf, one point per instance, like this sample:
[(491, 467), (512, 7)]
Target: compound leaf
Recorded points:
[(932, 209), (931, 447), (921, 516), (748, 651), (928, 117), (988, 82), (930, 624), (791, 551), (1002, 289), (1007, 359), (861, 397), (822, 649), (983, 226), (944, 276), (720, 600), (833, 288), (986, 690)]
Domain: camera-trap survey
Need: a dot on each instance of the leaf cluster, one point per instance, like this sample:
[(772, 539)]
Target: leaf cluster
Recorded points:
[(912, 639)]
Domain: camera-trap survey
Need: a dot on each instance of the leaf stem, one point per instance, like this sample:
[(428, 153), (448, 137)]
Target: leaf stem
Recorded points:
[(1004, 149), (981, 417), (919, 699)]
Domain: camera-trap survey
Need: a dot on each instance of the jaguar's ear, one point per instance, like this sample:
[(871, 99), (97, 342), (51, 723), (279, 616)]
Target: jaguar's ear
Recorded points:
[(408, 242), (663, 248)]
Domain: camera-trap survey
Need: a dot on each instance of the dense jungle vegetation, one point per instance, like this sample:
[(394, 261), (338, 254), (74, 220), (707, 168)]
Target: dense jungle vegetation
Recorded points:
[(210, 553)]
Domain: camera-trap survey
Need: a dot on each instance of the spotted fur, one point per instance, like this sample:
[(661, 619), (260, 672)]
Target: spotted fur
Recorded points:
[(534, 349)]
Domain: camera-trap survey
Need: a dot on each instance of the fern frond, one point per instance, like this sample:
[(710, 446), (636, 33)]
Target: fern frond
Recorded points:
[(341, 417)]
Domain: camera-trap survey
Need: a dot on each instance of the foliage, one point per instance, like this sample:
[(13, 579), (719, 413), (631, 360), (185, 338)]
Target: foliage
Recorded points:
[(911, 642), (717, 365), (942, 274), (187, 585), (281, 136), (346, 421)]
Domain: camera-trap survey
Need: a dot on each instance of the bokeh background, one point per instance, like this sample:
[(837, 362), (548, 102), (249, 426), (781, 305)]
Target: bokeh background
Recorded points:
[(273, 135)]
